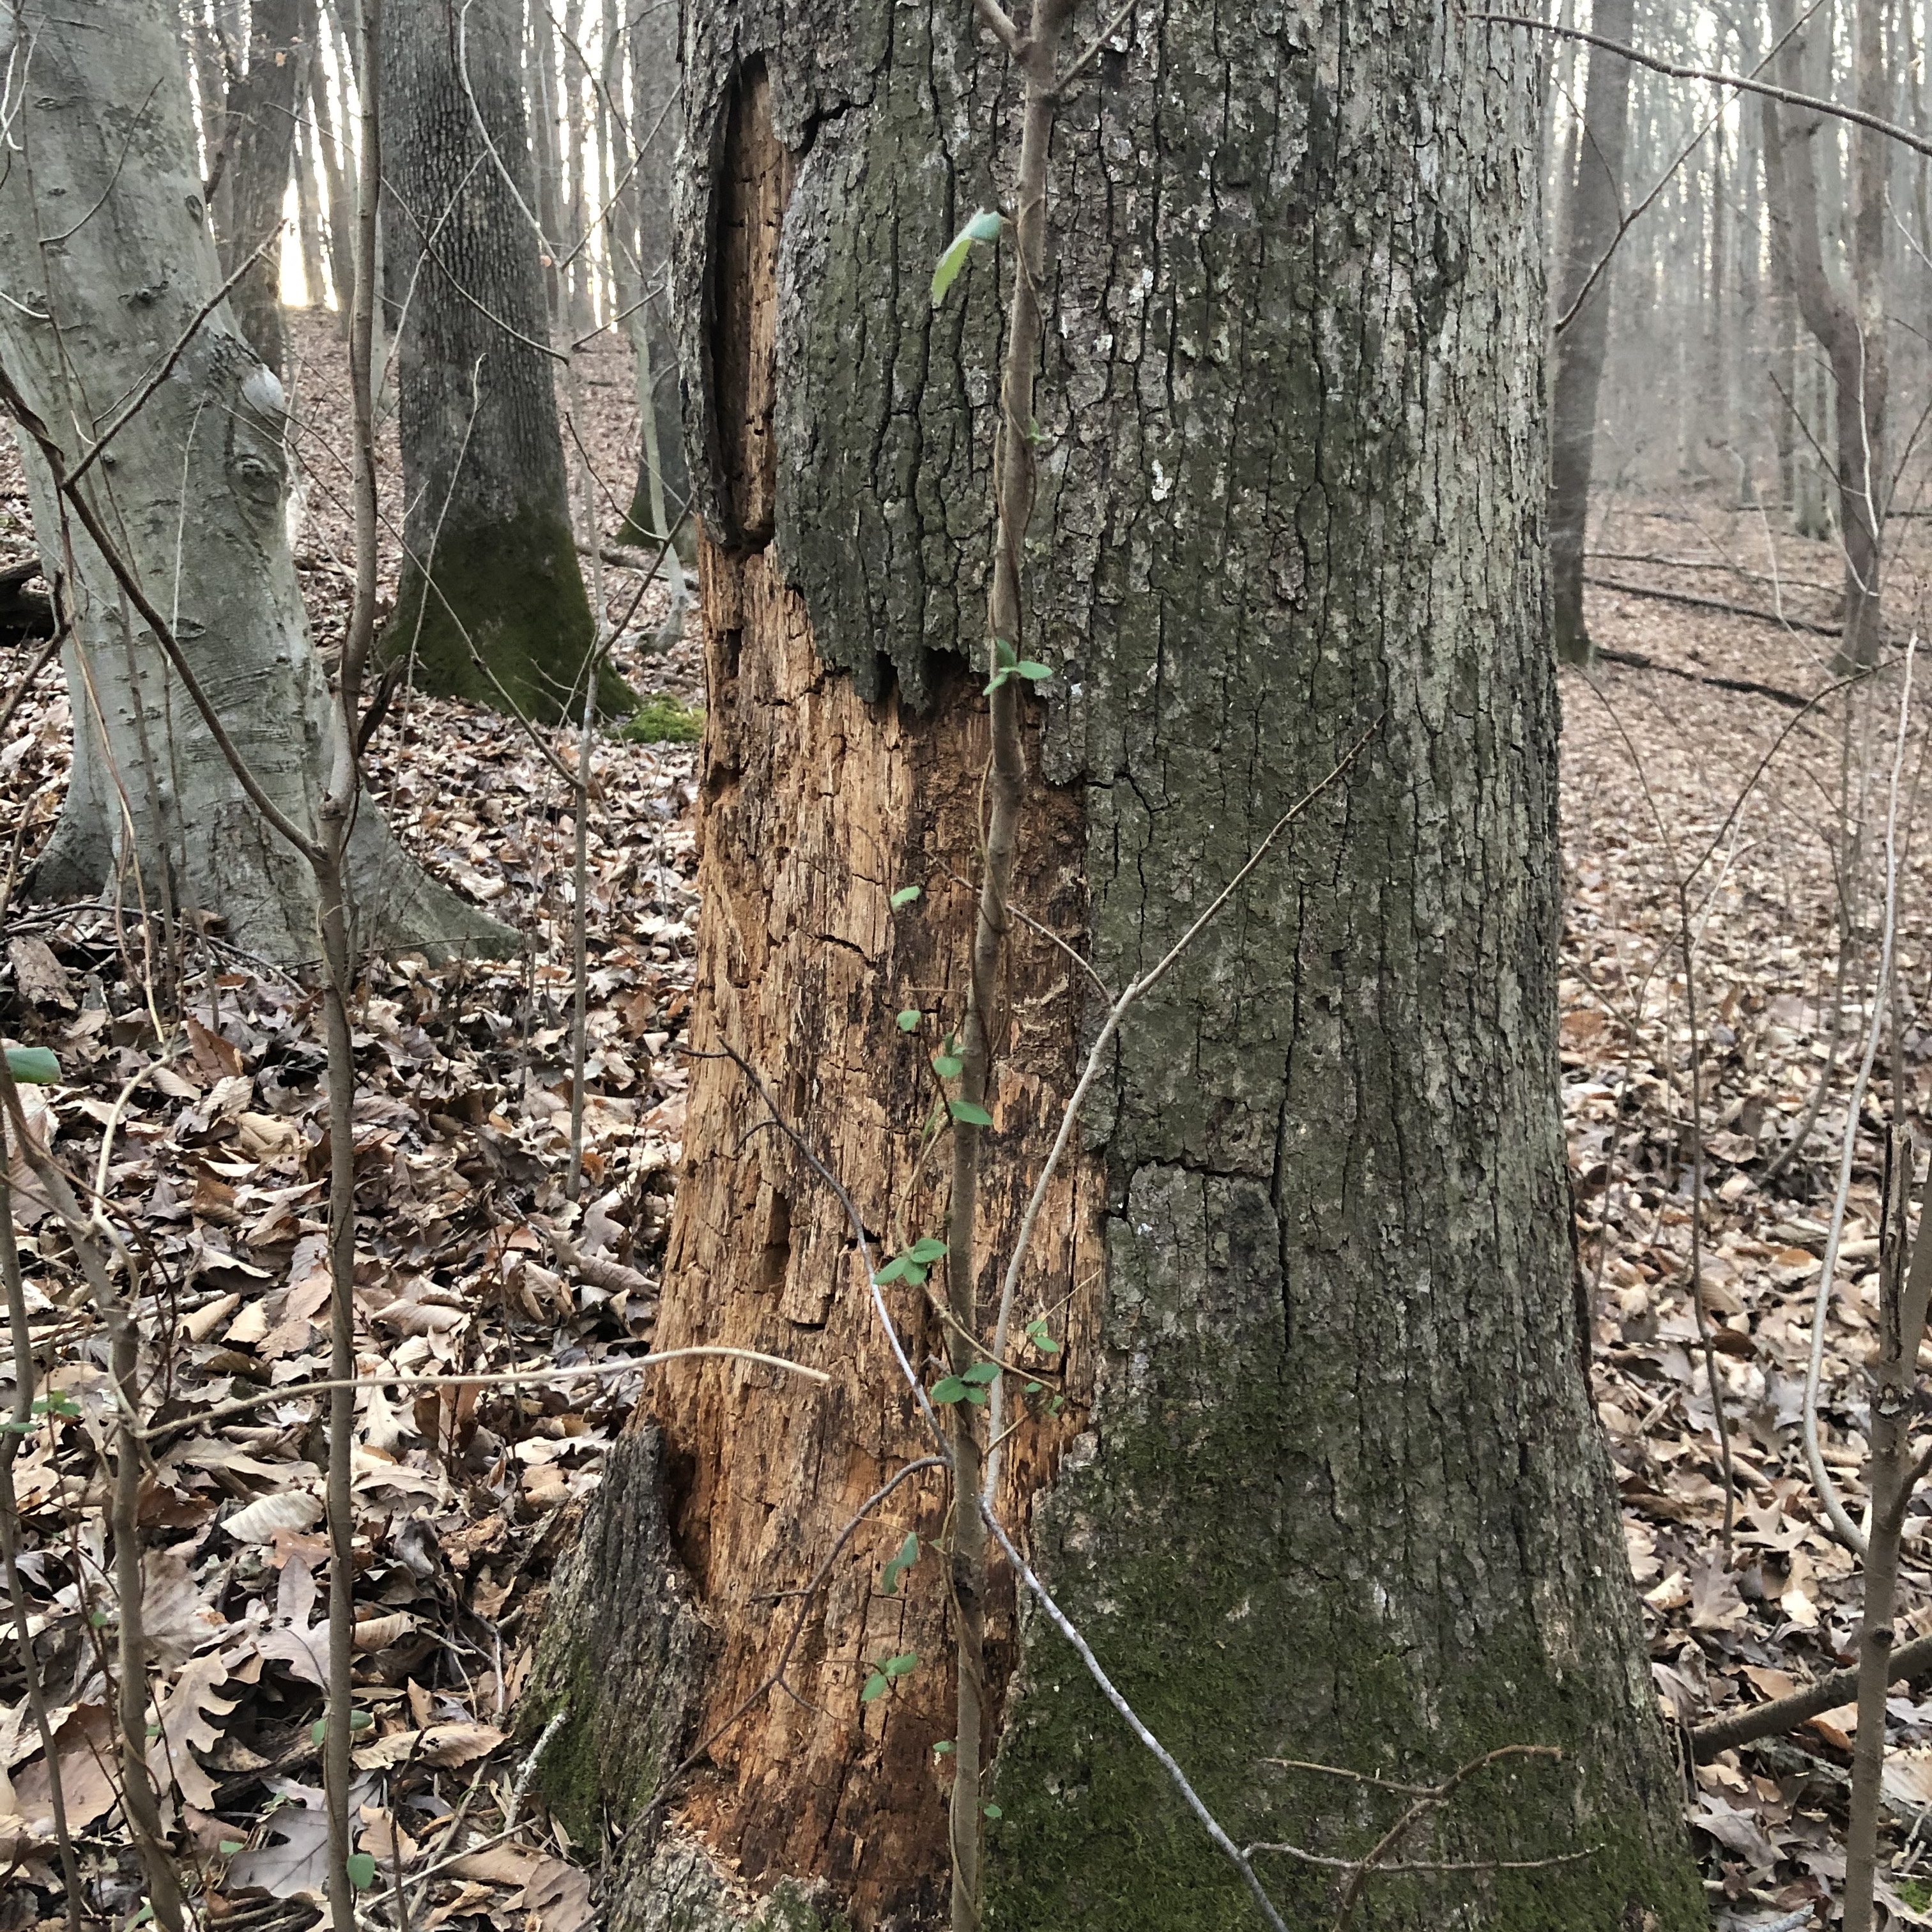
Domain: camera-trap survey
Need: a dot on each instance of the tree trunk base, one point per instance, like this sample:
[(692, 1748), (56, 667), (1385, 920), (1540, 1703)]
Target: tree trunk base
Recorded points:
[(621, 1656), (680, 1888), (510, 594)]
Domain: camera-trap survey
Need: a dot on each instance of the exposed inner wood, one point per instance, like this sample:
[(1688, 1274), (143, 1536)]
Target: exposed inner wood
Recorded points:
[(816, 808)]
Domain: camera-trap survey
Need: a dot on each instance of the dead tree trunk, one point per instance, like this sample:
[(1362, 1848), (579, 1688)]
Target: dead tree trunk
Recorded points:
[(194, 489), (1850, 330), (1595, 202), (1325, 1482), (260, 124), (491, 572)]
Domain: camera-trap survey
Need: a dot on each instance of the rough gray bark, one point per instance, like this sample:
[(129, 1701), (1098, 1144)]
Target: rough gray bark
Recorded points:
[(1595, 202), (483, 468), (196, 486), (622, 1650), (1327, 1484), (260, 128)]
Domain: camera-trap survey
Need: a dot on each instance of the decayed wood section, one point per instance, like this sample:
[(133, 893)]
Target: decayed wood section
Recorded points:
[(816, 808)]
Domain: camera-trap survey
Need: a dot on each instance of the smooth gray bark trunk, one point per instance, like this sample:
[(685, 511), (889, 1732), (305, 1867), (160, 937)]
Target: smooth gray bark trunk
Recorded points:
[(1327, 1485), (197, 486), (483, 467), (1595, 207)]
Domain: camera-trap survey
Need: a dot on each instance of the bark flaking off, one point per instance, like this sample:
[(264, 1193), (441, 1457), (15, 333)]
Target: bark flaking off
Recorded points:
[(1337, 1492)]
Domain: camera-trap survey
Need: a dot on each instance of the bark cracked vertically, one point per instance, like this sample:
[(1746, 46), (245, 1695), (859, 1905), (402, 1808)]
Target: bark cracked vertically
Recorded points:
[(1327, 1485)]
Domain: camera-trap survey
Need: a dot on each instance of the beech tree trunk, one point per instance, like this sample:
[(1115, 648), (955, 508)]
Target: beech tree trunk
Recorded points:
[(492, 569), (196, 487), (1595, 207), (1326, 1484), (260, 124)]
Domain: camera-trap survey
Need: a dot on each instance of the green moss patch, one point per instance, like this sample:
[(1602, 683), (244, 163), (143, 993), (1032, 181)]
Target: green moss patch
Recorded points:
[(664, 721), (510, 594)]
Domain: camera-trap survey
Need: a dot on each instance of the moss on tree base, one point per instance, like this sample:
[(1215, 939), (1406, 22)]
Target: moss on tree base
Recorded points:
[(510, 594)]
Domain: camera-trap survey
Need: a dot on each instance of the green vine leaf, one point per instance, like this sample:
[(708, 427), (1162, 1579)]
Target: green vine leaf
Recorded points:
[(33, 1064), (909, 1020), (361, 1867), (913, 1264), (970, 1113), (982, 1372), (950, 1388), (904, 896), (984, 227), (885, 1671), (908, 1554), (947, 1065)]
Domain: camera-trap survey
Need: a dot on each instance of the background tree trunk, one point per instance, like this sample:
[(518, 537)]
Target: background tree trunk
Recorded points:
[(260, 124), (1850, 332), (483, 469), (196, 487), (1326, 1484), (1595, 206), (341, 210), (663, 494)]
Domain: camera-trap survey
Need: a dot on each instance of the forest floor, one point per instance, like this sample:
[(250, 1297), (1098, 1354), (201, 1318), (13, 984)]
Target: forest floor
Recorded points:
[(473, 1259), (1687, 800)]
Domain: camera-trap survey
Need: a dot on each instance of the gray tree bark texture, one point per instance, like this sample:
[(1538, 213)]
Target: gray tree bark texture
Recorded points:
[(491, 570), (1594, 205), (104, 248), (1326, 1484), (260, 124)]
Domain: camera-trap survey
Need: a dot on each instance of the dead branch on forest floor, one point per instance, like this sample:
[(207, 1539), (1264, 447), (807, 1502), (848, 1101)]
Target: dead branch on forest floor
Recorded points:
[(1748, 687), (1786, 622)]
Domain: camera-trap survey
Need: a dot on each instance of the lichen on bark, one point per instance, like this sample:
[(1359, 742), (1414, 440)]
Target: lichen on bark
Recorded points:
[(619, 1660)]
